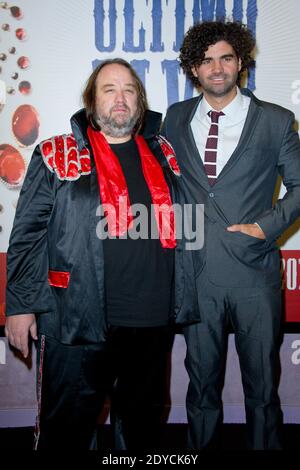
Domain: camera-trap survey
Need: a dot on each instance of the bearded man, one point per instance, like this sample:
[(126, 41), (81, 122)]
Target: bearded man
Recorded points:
[(95, 295)]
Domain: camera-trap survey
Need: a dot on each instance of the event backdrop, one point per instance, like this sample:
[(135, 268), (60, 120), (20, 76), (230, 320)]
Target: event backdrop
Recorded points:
[(48, 49)]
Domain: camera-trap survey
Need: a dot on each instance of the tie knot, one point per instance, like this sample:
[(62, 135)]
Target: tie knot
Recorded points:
[(214, 115)]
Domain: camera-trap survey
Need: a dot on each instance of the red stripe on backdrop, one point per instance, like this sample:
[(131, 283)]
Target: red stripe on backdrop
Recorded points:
[(291, 284), (2, 286)]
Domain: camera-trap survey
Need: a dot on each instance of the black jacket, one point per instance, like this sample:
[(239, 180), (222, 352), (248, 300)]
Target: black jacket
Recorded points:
[(55, 230)]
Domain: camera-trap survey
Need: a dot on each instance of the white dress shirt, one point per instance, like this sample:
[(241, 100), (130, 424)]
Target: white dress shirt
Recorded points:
[(230, 127)]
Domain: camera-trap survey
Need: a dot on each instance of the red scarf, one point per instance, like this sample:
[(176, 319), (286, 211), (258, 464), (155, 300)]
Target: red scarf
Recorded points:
[(114, 192)]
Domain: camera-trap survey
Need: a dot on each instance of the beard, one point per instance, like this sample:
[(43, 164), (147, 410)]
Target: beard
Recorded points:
[(217, 90), (119, 126)]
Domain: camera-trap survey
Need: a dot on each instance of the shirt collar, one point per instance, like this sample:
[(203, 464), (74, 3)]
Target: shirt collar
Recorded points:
[(232, 110)]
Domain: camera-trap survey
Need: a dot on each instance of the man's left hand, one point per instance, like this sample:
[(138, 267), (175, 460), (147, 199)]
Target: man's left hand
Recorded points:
[(253, 230)]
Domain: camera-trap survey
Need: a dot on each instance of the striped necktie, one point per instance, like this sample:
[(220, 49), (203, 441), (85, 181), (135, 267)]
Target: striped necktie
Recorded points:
[(210, 154)]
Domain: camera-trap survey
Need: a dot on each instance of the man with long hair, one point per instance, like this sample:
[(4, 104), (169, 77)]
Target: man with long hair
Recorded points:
[(96, 295)]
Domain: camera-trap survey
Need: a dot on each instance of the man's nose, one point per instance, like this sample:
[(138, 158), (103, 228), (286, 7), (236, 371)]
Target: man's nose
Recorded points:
[(120, 96), (217, 66)]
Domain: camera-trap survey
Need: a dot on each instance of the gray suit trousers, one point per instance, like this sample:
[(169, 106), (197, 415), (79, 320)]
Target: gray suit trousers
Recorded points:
[(255, 317)]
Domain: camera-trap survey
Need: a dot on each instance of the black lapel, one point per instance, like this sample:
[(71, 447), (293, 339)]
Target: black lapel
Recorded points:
[(94, 219), (79, 126), (193, 161)]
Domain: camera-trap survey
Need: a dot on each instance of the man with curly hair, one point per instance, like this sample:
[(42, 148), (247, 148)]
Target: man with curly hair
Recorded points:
[(231, 147)]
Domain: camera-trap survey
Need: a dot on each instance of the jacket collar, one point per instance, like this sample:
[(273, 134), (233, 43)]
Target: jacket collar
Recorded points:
[(194, 102), (79, 125), (188, 138)]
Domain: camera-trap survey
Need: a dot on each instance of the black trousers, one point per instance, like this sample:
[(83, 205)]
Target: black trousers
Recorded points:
[(74, 381), (255, 316)]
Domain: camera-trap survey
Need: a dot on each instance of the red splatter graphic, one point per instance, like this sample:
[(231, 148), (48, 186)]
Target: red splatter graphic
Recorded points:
[(25, 87), (12, 165), (16, 12), (21, 34), (25, 124), (23, 62)]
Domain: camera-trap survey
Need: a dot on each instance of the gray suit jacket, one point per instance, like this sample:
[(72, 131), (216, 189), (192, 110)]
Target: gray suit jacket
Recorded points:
[(243, 192)]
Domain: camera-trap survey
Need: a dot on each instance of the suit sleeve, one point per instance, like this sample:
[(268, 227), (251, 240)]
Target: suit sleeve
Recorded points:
[(186, 297), (274, 221), (27, 257)]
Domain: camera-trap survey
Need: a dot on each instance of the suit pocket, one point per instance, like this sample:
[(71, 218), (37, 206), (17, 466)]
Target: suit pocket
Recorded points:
[(234, 260), (246, 241), (59, 278)]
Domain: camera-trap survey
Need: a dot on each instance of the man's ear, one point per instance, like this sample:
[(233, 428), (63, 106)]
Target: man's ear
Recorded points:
[(194, 71), (240, 64)]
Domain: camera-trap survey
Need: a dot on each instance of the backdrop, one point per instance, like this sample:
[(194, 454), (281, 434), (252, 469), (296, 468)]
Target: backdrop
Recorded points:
[(47, 51)]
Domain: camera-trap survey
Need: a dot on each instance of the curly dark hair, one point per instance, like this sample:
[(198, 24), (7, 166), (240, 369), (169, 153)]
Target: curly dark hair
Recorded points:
[(202, 35)]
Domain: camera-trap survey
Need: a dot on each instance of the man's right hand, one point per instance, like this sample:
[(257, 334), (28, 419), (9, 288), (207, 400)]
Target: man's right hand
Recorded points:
[(17, 329)]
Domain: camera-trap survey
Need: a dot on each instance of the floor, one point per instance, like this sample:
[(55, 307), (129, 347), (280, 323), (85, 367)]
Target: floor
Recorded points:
[(173, 437)]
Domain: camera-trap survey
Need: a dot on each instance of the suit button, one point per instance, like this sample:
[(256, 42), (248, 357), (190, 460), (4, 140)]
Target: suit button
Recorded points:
[(211, 194)]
